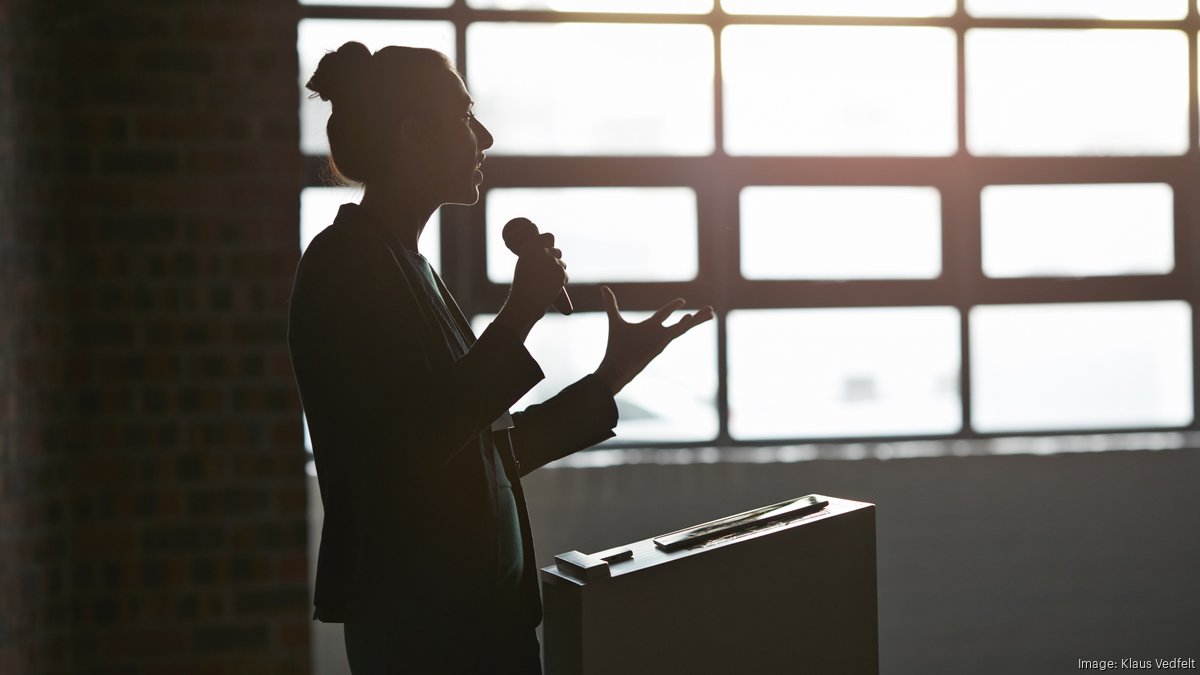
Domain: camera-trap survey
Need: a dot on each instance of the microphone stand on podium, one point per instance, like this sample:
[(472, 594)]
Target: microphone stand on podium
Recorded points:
[(787, 588)]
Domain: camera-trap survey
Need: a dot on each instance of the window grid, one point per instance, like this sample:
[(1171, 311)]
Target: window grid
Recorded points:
[(718, 179)]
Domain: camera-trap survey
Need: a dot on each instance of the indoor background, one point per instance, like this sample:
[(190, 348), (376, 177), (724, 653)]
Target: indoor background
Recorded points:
[(951, 246)]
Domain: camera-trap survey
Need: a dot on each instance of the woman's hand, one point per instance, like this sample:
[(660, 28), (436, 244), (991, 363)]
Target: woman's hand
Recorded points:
[(632, 346), (538, 280)]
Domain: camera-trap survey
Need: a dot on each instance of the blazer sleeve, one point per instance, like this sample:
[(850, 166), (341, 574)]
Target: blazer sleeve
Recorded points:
[(367, 373), (579, 416)]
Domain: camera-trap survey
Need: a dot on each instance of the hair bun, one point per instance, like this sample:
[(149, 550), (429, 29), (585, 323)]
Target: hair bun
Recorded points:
[(340, 74)]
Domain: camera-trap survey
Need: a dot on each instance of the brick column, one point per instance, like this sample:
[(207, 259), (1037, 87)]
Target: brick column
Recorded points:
[(152, 486)]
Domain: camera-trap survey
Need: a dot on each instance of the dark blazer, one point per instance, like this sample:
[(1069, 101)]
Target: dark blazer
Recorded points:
[(400, 422)]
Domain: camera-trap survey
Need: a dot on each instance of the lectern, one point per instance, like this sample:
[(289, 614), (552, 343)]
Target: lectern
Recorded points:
[(788, 588)]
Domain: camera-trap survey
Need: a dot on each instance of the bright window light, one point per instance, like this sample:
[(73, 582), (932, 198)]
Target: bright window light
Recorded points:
[(606, 234), (812, 373), (841, 7), (1077, 92), (1077, 230), (593, 89), (673, 399), (841, 233), (1081, 366), (839, 90), (381, 3), (634, 6), (319, 206), (315, 37), (1081, 9)]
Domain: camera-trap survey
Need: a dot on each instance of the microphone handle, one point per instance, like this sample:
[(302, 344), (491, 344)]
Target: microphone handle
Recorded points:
[(563, 303), (516, 232)]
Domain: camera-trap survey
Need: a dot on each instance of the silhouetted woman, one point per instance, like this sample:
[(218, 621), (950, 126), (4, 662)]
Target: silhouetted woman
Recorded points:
[(426, 554)]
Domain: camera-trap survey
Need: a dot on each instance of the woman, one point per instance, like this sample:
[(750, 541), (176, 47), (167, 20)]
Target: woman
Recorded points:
[(426, 554)]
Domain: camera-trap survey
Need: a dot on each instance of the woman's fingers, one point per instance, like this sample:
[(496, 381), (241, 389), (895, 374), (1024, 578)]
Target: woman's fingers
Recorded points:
[(690, 321), (672, 331), (610, 303), (666, 310)]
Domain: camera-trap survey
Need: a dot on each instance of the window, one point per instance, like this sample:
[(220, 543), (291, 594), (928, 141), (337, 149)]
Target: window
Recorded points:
[(613, 234), (917, 219), (1077, 92), (838, 90), (652, 96)]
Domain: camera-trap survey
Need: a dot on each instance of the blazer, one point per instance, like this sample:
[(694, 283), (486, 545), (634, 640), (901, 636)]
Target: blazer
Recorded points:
[(400, 421)]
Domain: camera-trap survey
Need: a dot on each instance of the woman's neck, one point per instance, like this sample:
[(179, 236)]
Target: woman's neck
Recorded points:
[(404, 215)]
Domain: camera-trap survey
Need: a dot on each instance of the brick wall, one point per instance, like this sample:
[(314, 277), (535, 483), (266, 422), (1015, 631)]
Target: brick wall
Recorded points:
[(152, 488)]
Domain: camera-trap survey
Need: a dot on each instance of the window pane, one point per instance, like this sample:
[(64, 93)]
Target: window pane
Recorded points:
[(1077, 92), (606, 234), (381, 3), (841, 233), (319, 206), (1077, 230), (811, 373), (593, 89), (317, 36), (1081, 9), (1081, 366), (672, 400), (839, 90), (642, 6), (841, 7)]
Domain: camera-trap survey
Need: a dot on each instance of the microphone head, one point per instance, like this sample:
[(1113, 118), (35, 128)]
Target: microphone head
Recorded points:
[(518, 231)]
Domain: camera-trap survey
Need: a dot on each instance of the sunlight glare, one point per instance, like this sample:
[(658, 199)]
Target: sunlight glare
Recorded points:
[(1077, 92), (1081, 366), (914, 8), (614, 6), (594, 227), (1077, 230), (839, 90), (593, 89), (841, 232), (1080, 9), (843, 372)]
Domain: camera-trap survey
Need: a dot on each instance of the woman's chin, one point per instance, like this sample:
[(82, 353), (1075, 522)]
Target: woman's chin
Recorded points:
[(468, 197)]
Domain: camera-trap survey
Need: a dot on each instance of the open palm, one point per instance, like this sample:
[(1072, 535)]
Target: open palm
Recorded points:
[(632, 346)]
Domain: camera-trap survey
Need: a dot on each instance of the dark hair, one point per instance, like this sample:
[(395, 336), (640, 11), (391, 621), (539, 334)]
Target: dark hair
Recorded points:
[(370, 93)]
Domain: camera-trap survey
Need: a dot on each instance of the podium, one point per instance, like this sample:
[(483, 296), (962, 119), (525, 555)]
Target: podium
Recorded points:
[(789, 588)]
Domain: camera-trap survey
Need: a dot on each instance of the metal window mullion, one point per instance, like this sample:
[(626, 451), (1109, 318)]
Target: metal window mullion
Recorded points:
[(463, 228), (719, 251), (1187, 210), (460, 12), (546, 171), (513, 171), (960, 214), (716, 214)]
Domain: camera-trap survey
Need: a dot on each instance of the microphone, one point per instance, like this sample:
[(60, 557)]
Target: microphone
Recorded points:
[(520, 230)]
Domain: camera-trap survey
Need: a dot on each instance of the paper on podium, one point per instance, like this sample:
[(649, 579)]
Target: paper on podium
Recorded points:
[(787, 588)]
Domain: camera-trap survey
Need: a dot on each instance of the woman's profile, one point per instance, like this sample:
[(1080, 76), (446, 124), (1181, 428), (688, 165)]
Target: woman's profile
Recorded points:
[(426, 554)]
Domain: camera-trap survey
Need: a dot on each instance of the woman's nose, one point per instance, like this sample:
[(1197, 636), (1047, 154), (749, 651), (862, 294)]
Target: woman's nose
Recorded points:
[(484, 136)]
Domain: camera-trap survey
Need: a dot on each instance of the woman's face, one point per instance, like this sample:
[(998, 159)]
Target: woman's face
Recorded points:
[(457, 142)]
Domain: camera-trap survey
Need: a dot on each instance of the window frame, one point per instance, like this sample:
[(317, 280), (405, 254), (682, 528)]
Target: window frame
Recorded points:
[(718, 179)]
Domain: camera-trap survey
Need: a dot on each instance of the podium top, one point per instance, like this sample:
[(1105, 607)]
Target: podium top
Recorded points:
[(578, 568)]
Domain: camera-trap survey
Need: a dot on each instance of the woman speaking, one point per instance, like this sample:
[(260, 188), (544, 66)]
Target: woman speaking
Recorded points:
[(426, 554)]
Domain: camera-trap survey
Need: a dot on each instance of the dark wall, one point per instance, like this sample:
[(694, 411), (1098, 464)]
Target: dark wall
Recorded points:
[(152, 495)]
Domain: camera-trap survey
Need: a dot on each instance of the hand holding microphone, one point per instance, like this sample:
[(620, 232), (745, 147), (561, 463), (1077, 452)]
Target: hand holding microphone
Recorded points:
[(538, 279), (520, 233)]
